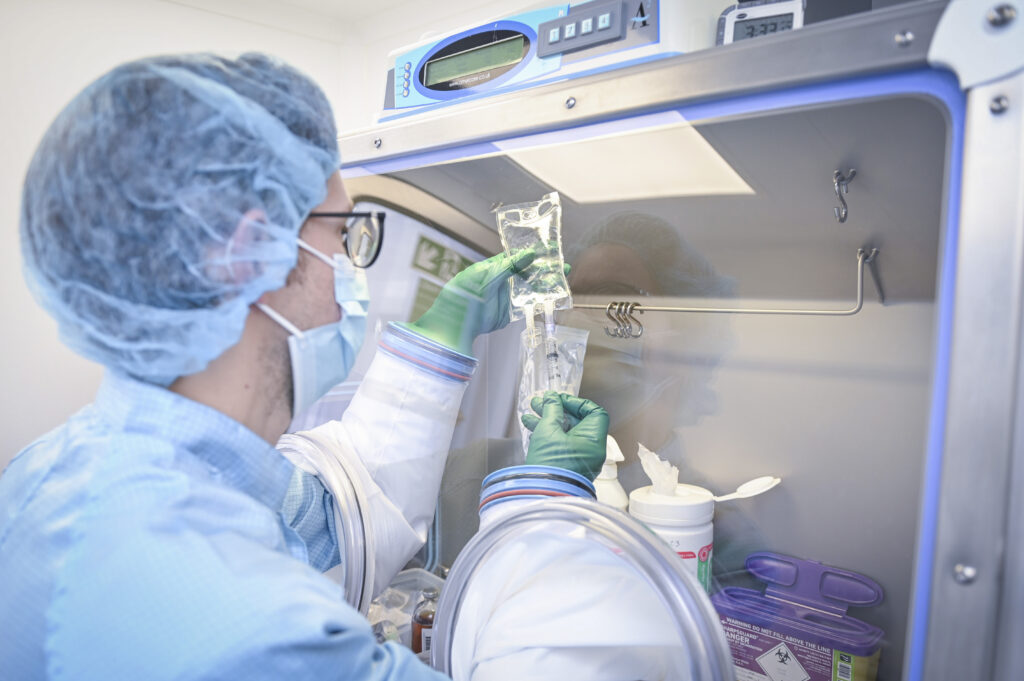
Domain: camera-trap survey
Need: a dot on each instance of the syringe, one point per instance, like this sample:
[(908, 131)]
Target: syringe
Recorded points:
[(551, 347)]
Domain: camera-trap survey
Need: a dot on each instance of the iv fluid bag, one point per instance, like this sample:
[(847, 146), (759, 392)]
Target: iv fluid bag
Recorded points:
[(536, 225)]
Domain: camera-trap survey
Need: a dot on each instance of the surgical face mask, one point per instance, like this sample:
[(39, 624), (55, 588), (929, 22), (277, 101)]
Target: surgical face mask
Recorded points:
[(323, 356)]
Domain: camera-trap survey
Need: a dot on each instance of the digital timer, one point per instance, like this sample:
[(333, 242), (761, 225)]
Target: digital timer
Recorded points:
[(759, 17)]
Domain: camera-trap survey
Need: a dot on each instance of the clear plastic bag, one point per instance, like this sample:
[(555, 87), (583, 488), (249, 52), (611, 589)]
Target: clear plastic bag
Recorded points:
[(572, 349), (536, 225)]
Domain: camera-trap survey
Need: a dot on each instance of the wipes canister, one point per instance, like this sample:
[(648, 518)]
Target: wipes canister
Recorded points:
[(683, 520)]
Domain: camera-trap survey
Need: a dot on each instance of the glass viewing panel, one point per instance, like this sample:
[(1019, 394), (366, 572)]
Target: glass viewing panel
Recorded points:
[(725, 397)]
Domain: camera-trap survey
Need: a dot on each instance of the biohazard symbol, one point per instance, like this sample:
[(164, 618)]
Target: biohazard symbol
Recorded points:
[(782, 656)]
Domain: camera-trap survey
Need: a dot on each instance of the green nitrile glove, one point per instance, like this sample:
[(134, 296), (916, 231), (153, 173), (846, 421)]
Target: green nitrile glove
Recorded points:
[(581, 449), (474, 302)]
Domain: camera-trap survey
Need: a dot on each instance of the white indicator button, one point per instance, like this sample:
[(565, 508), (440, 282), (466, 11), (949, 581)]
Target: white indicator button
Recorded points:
[(570, 30), (586, 26), (604, 21), (553, 35), (405, 93)]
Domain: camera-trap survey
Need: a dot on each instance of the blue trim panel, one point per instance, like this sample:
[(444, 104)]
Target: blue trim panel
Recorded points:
[(955, 101)]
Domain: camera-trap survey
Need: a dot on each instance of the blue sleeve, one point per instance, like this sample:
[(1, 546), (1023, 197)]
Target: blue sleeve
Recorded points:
[(201, 585), (308, 509)]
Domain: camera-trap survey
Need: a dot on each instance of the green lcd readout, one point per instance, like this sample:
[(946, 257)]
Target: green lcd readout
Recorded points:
[(490, 56)]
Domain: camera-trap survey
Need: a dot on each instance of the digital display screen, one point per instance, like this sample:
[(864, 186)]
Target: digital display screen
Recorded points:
[(751, 28), (493, 55)]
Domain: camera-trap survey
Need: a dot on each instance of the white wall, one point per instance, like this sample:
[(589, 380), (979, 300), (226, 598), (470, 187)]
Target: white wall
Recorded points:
[(51, 49)]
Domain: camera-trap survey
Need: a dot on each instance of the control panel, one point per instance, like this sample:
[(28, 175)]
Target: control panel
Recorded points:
[(593, 23), (542, 45)]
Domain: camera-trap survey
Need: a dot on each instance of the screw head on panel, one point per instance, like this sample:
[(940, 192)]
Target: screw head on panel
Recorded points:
[(1001, 16), (964, 574), (377, 142), (904, 38), (570, 103), (999, 104)]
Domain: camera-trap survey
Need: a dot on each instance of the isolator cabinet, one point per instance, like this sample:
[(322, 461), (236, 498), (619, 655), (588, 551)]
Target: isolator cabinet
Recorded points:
[(798, 256)]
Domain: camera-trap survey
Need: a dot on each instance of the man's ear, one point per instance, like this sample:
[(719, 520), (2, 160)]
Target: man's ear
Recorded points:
[(231, 264)]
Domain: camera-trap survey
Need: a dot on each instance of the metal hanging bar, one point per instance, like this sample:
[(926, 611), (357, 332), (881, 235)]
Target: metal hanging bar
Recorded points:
[(628, 326)]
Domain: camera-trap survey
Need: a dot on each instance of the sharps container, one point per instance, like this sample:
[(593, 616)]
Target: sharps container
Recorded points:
[(683, 520), (798, 627)]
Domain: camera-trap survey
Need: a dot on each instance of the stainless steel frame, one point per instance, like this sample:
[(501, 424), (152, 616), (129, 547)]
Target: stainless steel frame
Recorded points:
[(969, 614)]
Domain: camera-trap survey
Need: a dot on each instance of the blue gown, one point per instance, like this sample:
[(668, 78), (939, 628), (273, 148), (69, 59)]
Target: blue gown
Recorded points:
[(151, 537)]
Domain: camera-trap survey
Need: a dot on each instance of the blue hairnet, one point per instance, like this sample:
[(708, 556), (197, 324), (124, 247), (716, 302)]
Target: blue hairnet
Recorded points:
[(133, 202)]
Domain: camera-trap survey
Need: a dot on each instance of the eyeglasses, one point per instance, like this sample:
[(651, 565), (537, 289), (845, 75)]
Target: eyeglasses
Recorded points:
[(363, 234)]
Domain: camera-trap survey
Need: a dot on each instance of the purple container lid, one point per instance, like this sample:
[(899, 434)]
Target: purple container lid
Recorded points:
[(808, 600)]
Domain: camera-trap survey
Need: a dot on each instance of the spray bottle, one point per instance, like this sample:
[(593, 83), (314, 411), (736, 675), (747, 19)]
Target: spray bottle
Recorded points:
[(609, 491)]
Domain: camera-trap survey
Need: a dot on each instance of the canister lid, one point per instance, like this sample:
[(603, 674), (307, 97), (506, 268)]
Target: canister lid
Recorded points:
[(690, 505)]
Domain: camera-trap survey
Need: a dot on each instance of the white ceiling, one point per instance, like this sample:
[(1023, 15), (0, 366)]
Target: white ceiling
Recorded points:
[(366, 10), (356, 10), (368, 21)]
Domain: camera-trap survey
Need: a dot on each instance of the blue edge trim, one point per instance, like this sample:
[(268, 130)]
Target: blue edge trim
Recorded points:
[(944, 87)]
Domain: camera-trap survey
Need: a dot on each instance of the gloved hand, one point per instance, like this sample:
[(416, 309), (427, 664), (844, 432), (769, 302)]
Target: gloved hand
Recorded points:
[(474, 302), (581, 449)]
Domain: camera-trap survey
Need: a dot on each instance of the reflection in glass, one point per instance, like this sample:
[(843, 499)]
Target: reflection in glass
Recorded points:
[(662, 380)]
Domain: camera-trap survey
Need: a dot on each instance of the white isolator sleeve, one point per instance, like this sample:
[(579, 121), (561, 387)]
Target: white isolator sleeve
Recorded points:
[(553, 604), (395, 436)]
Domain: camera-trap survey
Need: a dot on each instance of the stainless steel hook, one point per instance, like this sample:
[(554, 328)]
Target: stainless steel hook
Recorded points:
[(613, 332), (841, 183), (635, 307), (625, 324), (625, 329)]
